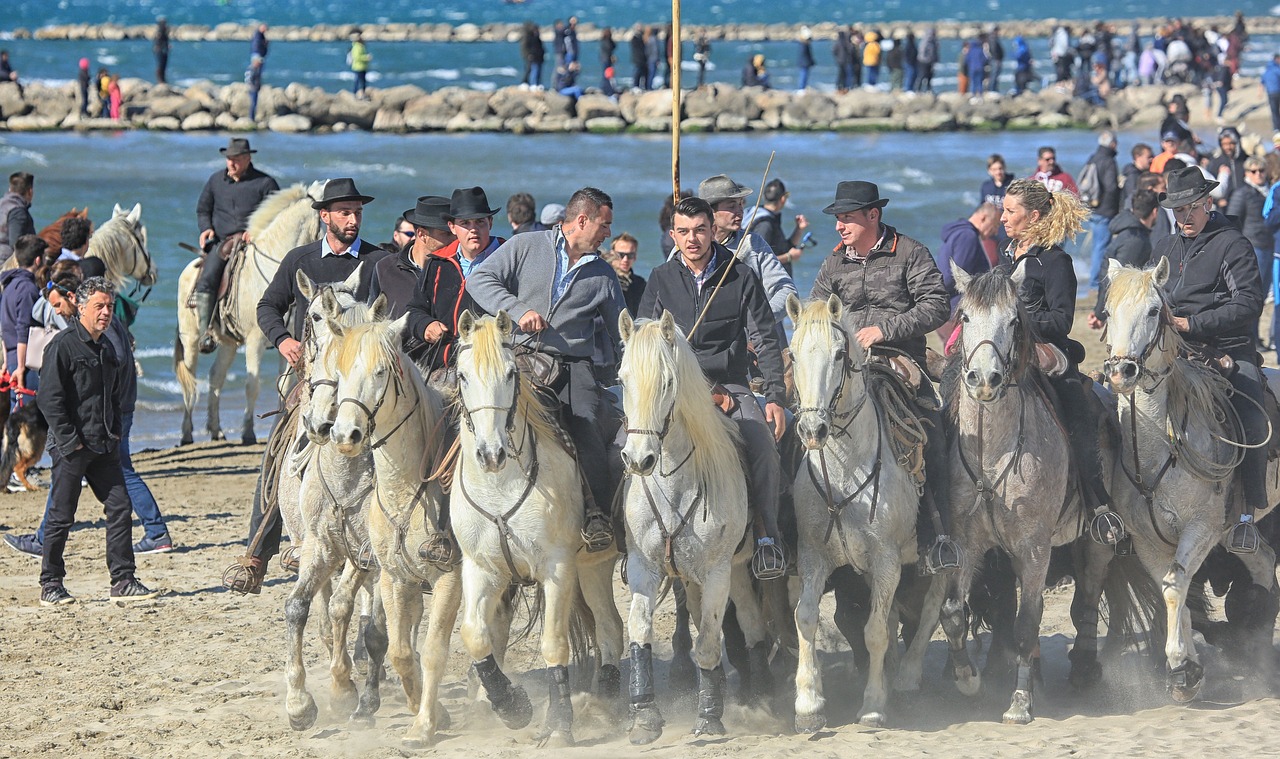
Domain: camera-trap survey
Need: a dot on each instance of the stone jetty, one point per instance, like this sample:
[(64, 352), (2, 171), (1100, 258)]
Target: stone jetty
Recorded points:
[(297, 107)]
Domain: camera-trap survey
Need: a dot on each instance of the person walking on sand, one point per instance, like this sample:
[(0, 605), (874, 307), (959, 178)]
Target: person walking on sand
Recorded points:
[(84, 379), (160, 46), (358, 58)]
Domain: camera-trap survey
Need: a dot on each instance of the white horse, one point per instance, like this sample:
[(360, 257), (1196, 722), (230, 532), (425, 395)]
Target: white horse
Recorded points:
[(685, 498), (324, 498), (855, 505), (517, 508), (1173, 410), (121, 243), (283, 221)]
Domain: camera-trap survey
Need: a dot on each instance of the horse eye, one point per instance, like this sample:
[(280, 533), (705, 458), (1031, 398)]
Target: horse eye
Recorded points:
[(1153, 311), (964, 317), (462, 379), (840, 354), (511, 373), (315, 317)]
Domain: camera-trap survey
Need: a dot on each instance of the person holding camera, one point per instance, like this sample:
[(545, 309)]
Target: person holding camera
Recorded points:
[(768, 224)]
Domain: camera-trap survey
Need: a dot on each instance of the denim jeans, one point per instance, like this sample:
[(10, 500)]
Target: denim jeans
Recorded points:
[(144, 504), (804, 77), (1101, 226)]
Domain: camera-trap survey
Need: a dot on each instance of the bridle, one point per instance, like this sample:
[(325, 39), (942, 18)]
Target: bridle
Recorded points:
[(1139, 360), (1006, 359), (510, 411), (394, 381), (847, 369)]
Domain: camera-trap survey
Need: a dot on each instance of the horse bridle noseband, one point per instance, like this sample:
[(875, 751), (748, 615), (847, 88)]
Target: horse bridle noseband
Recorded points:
[(847, 369), (1140, 360), (510, 422)]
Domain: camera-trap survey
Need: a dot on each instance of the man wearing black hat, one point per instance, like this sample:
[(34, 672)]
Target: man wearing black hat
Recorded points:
[(895, 295), (397, 275), (222, 213), (1215, 294), (330, 259)]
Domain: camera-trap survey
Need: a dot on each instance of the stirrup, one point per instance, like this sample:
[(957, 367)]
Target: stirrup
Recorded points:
[(440, 551), (942, 556), (244, 576), (1107, 528), (291, 559), (208, 343), (1125, 546), (769, 562), (1243, 536), (597, 533)]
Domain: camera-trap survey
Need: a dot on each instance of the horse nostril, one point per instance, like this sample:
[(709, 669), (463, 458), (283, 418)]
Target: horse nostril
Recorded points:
[(356, 435), (996, 379), (971, 378), (325, 428), (820, 432), (1129, 370), (647, 463)]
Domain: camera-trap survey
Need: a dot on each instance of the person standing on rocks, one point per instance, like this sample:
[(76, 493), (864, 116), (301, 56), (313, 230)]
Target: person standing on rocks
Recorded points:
[(652, 55), (533, 54), (928, 58), (1271, 86), (804, 57), (84, 79), (253, 78), (7, 73), (639, 60), (358, 58), (842, 52), (160, 47), (871, 59), (258, 47), (702, 55), (15, 212), (1023, 73), (995, 52)]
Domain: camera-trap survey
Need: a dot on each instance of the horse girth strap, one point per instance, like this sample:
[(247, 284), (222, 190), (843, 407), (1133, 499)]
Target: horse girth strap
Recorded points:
[(501, 520), (669, 536)]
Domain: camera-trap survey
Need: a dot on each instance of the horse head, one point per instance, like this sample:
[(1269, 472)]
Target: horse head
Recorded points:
[(330, 303), (994, 338), (369, 378), (826, 366), (121, 243), (1137, 322), (488, 386), (650, 387)]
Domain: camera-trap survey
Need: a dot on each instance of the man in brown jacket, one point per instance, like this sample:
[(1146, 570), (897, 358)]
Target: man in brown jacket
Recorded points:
[(894, 294)]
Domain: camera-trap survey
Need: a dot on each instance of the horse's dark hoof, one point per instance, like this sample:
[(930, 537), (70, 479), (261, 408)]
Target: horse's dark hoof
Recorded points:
[(306, 718), (1185, 681), (873, 719), (682, 676), (810, 723), (609, 686), (217, 436), (249, 439), (1085, 674), (186, 441), (516, 712), (708, 726), (646, 724)]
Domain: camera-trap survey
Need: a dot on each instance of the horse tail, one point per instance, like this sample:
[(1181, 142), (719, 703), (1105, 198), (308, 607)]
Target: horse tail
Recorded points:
[(534, 603), (185, 377), (1135, 608), (582, 632)]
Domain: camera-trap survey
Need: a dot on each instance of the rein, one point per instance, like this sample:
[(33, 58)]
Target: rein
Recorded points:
[(502, 521), (848, 368), (986, 488), (668, 536)]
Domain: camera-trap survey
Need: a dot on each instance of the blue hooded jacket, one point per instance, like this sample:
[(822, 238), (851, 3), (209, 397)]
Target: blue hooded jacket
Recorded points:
[(1022, 53), (20, 295)]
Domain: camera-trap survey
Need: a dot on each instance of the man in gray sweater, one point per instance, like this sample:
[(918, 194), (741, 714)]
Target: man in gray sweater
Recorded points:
[(558, 290)]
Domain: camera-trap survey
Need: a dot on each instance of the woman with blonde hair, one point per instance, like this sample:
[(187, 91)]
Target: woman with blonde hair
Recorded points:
[(1038, 222)]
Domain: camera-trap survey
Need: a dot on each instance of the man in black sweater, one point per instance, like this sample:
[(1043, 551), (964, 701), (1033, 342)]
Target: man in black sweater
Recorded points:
[(684, 286), (80, 396), (330, 259)]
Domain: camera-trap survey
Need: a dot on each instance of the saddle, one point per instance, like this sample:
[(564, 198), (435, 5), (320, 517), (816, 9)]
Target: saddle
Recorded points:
[(230, 250), (1051, 360)]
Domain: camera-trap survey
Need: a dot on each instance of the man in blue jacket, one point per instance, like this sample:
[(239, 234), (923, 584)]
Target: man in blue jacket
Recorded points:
[(1271, 84), (20, 294)]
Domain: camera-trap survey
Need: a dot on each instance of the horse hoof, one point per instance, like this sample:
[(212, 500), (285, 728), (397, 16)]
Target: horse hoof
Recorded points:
[(217, 436), (249, 439), (872, 719), (1085, 675), (1185, 681), (810, 723), (682, 677), (646, 725), (344, 700), (361, 719), (968, 682), (708, 726), (555, 739), (517, 712), (1019, 709), (443, 722), (186, 440), (415, 742), (306, 718), (609, 683)]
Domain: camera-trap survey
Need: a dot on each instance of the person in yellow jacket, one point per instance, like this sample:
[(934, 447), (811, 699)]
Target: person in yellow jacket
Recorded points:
[(358, 58), (871, 59)]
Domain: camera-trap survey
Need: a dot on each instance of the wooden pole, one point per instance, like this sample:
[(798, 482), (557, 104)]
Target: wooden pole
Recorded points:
[(674, 84)]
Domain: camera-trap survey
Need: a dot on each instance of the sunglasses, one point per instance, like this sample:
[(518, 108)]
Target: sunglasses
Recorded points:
[(62, 290), (629, 256), (408, 233)]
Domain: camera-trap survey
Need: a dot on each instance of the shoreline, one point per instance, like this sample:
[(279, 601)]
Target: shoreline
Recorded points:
[(588, 32), (405, 109)]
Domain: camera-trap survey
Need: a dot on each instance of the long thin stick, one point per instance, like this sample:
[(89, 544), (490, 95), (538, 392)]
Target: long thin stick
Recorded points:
[(737, 254), (675, 100)]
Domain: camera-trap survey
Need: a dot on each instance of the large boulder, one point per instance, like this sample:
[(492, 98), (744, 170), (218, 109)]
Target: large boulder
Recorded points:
[(177, 106), (510, 103), (654, 105), (291, 122), (605, 125), (731, 122), (351, 110), (593, 105), (932, 121), (429, 112), (810, 111), (34, 122), (397, 97), (164, 123), (198, 122), (11, 101), (388, 120), (866, 104)]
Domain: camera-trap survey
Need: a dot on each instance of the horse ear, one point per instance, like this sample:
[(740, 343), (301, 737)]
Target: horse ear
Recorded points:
[(960, 277), (1018, 276), (329, 303), (352, 282), (1162, 271), (335, 326), (626, 325), (136, 214), (793, 308), (117, 211), (668, 327), (466, 323), (835, 307), (505, 325), (305, 285), (380, 309), (399, 326)]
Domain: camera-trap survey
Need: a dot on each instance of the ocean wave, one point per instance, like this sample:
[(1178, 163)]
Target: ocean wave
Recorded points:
[(169, 386), (918, 176), (482, 86), (26, 156), (495, 71), (892, 188), (165, 352), (106, 59), (349, 168), (456, 15)]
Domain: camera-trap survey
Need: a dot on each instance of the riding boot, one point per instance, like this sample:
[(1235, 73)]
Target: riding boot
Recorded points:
[(204, 315)]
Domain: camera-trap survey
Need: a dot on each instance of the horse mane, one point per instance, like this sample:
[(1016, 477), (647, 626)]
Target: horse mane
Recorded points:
[(715, 437), (994, 291), (111, 237), (487, 342), (273, 205)]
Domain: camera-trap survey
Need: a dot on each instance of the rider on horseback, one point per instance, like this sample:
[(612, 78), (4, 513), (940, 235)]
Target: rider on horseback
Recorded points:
[(1215, 294), (894, 292), (717, 332), (1037, 222), (562, 291), (222, 213)]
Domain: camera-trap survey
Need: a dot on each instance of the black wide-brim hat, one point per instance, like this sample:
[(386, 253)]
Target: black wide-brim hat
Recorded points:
[(336, 190), (470, 203), (1186, 185), (236, 147), (855, 196), (430, 212)]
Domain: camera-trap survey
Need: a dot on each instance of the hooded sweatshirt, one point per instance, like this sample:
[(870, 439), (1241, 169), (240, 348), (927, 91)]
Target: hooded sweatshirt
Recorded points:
[(961, 245), (20, 295)]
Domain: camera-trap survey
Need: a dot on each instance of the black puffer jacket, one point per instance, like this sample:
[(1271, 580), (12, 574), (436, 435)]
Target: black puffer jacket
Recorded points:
[(721, 340), (1214, 283)]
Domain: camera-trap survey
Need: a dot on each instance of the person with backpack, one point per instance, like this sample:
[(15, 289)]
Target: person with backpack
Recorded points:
[(1099, 190)]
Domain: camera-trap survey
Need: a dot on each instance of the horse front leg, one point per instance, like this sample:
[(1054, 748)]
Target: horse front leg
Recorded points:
[(911, 668), (343, 694), (646, 719), (886, 571), (446, 596), (682, 676), (706, 650), (253, 349), (316, 568), (757, 677), (1093, 560), (1185, 672), (403, 603), (373, 641), (955, 620), (811, 707), (1031, 575), (217, 379), (481, 593), (560, 589)]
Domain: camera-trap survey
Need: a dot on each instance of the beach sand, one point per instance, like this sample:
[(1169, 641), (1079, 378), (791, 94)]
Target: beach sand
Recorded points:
[(199, 672)]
